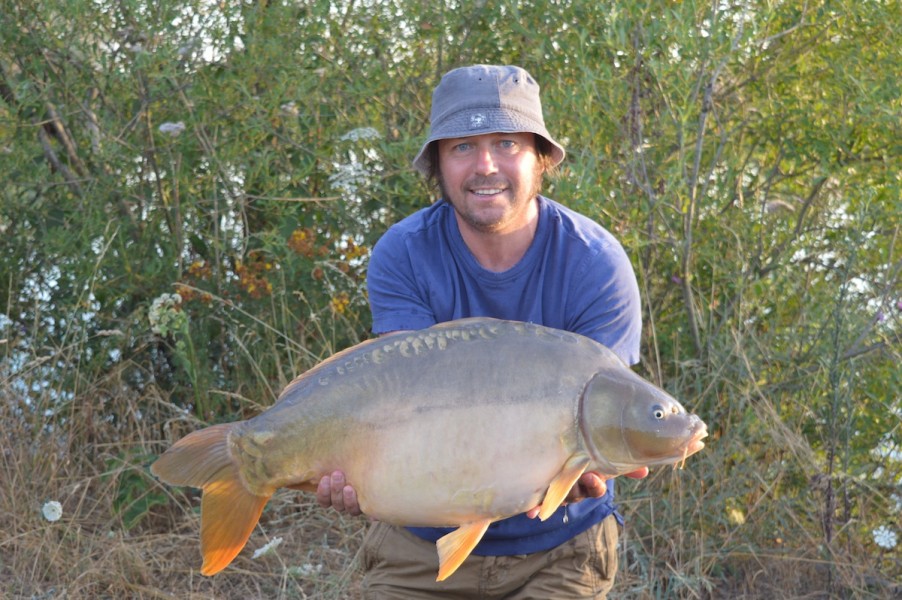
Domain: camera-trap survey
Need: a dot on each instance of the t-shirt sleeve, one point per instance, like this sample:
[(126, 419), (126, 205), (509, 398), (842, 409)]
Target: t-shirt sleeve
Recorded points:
[(611, 311), (397, 299)]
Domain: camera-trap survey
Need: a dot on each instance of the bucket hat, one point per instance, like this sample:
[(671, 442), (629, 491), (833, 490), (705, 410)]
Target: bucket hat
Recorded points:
[(485, 99)]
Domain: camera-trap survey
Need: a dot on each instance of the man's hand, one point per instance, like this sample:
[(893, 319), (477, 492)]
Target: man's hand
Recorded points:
[(334, 491), (590, 484)]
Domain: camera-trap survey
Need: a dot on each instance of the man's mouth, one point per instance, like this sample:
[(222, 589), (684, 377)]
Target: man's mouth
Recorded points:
[(487, 191)]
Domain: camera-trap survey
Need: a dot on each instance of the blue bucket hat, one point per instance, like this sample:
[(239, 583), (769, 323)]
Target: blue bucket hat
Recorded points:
[(485, 99)]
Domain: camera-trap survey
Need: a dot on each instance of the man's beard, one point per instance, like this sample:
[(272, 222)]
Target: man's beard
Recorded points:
[(484, 225)]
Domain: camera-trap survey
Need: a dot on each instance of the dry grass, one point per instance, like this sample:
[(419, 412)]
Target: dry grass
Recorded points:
[(84, 458), (682, 540)]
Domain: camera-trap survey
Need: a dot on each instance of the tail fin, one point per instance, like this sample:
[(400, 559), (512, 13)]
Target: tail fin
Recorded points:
[(229, 511)]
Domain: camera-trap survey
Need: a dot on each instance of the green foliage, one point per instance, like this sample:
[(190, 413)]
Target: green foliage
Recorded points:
[(136, 492), (247, 155)]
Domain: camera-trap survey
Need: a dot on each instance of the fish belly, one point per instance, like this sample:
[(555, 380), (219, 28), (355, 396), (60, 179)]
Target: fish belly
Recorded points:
[(456, 465)]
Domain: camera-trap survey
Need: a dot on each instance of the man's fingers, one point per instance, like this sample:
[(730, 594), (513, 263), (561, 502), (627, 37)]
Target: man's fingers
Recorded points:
[(333, 490), (639, 473), (324, 492), (593, 486), (337, 484), (349, 499)]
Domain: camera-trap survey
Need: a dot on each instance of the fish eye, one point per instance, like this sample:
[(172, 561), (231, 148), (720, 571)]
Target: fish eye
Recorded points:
[(658, 412)]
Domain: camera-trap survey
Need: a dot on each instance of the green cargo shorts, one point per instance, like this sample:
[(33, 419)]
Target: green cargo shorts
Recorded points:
[(399, 565)]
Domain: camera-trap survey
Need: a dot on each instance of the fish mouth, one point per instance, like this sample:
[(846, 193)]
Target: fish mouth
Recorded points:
[(699, 432), (695, 443)]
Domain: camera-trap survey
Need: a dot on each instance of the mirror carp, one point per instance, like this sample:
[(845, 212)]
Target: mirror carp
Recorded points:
[(458, 425)]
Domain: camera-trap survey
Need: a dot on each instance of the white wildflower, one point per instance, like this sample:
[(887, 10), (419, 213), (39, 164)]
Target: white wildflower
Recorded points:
[(172, 129), (269, 547), (290, 109), (305, 570), (349, 177), (52, 510), (361, 133), (885, 537), (165, 314)]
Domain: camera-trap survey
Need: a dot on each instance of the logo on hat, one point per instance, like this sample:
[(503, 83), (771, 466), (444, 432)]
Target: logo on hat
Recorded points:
[(477, 120)]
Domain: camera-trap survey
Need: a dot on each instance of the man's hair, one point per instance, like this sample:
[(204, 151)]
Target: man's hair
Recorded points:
[(543, 149)]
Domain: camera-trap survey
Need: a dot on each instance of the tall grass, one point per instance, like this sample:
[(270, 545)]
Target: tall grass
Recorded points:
[(122, 534), (691, 532), (732, 524)]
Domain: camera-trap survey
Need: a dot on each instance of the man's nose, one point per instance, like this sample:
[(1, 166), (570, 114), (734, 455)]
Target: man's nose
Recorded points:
[(485, 161)]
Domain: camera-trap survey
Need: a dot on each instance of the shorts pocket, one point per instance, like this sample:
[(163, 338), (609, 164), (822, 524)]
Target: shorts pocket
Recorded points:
[(372, 542)]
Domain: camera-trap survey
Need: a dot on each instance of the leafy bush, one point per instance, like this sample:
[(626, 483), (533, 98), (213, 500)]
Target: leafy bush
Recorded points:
[(192, 189)]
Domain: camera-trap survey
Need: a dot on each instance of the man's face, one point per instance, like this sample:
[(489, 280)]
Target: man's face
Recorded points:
[(490, 179)]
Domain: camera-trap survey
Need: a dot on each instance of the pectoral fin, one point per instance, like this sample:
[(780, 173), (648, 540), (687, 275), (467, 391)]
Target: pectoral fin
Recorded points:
[(455, 547), (561, 484)]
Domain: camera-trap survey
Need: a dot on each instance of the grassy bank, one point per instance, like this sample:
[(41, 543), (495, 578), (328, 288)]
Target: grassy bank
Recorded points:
[(710, 530)]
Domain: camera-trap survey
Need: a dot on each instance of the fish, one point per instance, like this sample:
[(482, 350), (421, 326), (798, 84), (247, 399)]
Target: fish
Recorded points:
[(457, 425)]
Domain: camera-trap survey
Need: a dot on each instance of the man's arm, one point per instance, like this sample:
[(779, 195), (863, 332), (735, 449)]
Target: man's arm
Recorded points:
[(397, 300)]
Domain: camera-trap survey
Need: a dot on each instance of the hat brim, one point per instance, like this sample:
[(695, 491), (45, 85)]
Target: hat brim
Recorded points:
[(496, 121)]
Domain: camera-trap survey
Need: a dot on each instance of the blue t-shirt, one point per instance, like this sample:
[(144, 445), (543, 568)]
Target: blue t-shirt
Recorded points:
[(575, 276)]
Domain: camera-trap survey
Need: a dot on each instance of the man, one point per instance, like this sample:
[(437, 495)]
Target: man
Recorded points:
[(492, 246)]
